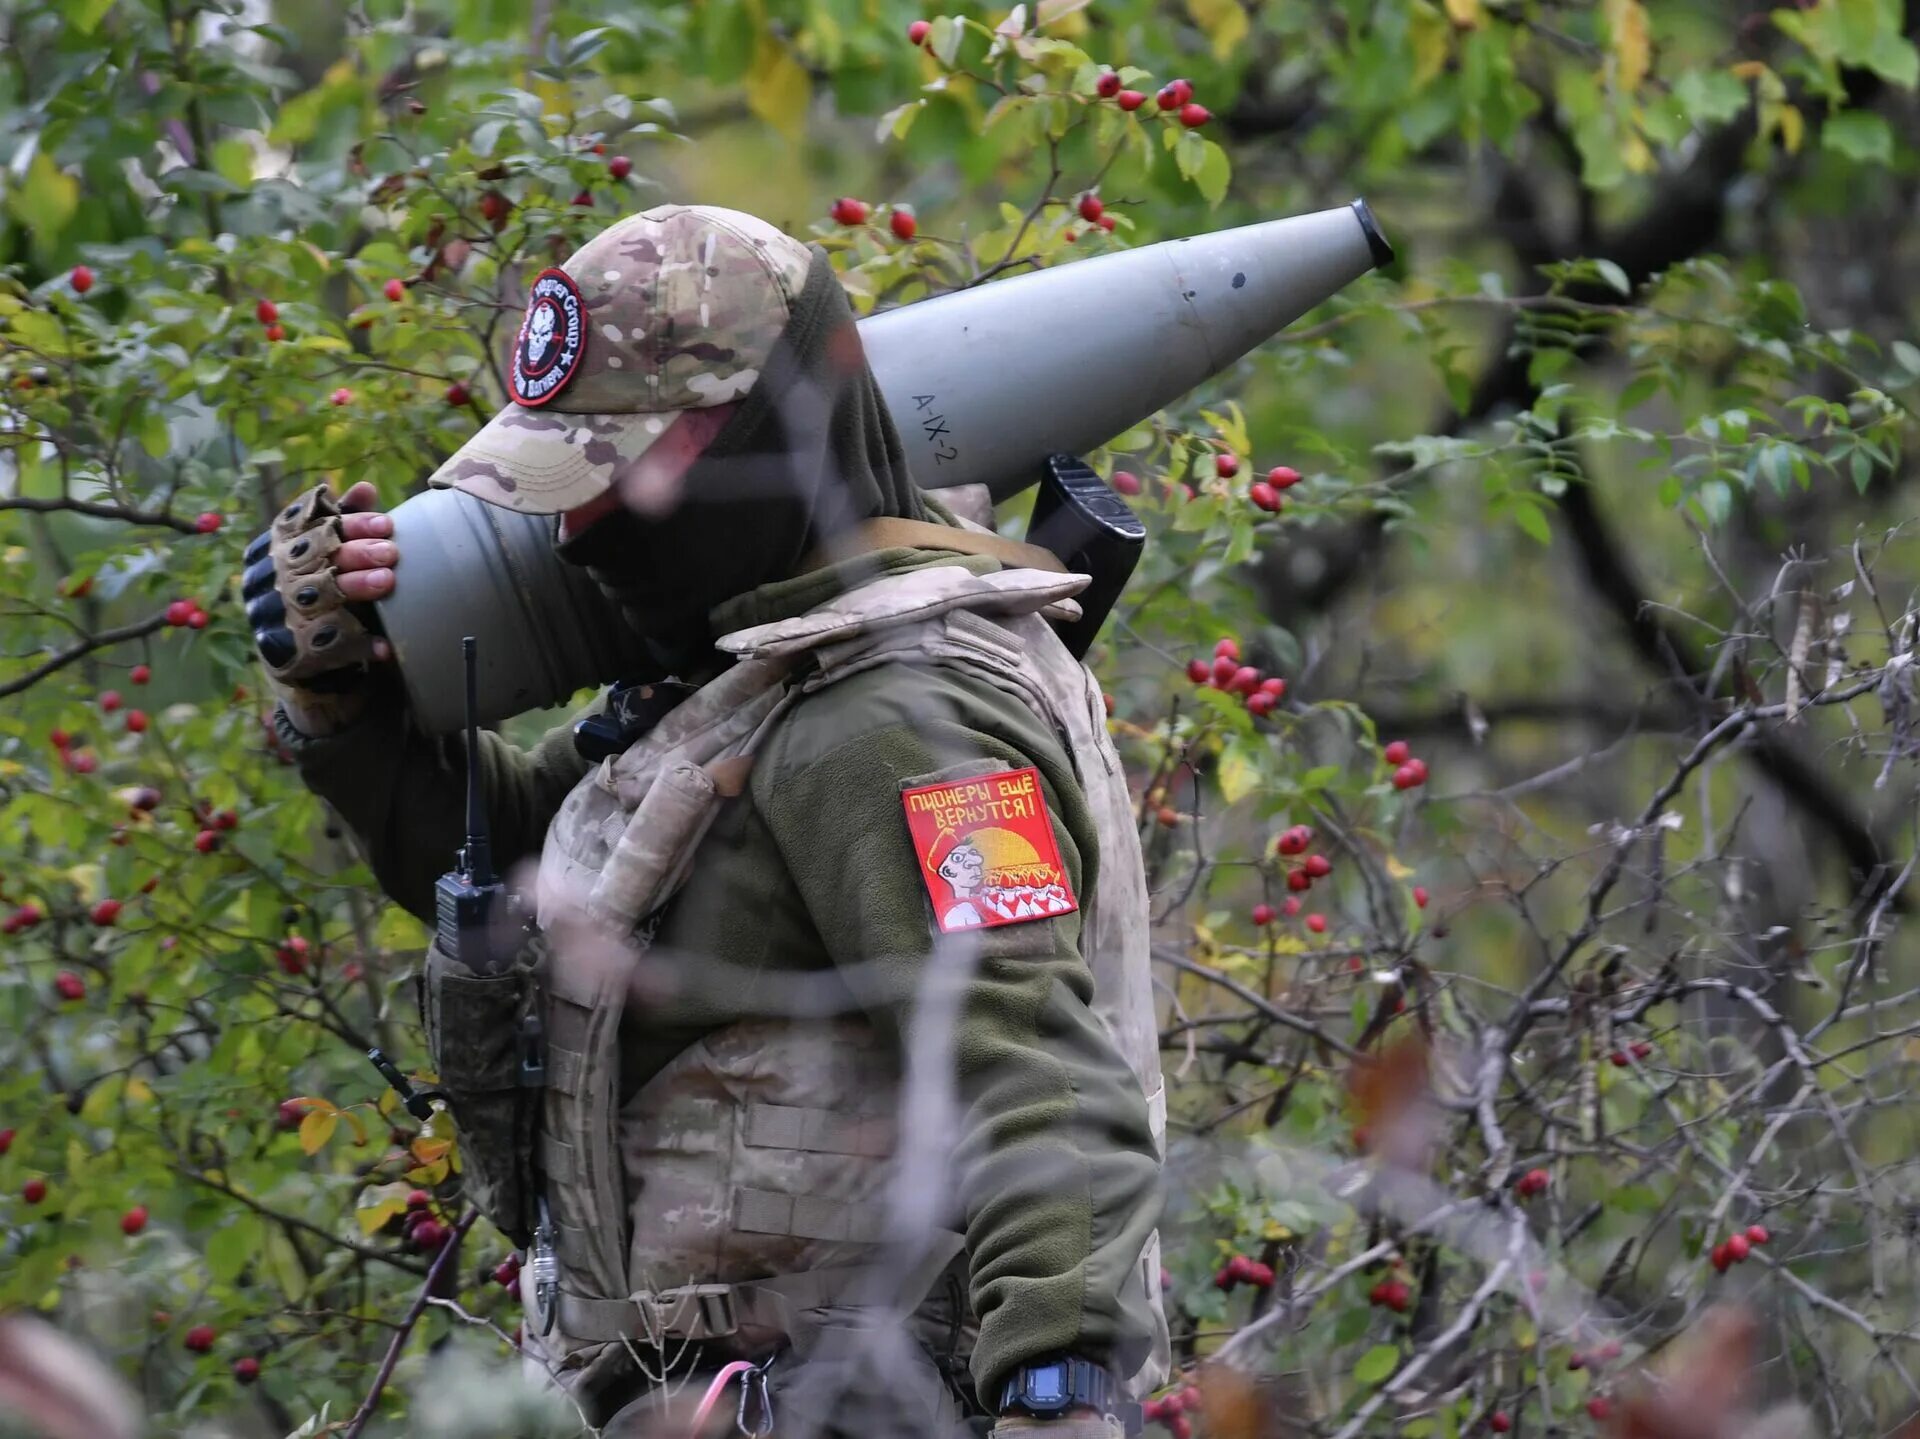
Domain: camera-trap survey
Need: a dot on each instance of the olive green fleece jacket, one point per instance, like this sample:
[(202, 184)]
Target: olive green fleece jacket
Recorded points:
[(813, 871)]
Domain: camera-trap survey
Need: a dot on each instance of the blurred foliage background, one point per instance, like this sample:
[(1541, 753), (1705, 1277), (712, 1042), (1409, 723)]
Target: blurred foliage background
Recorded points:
[(1599, 499)]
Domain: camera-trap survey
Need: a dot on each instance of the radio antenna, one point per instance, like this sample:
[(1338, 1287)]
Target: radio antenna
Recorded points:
[(478, 858)]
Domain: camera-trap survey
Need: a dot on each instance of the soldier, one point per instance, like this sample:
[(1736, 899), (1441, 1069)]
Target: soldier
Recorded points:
[(759, 1034)]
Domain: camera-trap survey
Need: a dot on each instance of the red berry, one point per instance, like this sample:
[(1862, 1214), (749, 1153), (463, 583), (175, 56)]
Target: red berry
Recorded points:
[(69, 986), (84, 763), (429, 1235), (1396, 753), (25, 917), (59, 738), (1182, 90), (1194, 116), (1264, 497), (1420, 896), (197, 620), (1245, 680), (199, 1338), (136, 721), (6, 1140), (507, 1271), (1299, 881), (1396, 1296), (246, 1369), (275, 333), (110, 700), (1180, 1427), (1607, 1352), (1406, 777), (178, 611), (1576, 1360), (290, 1113), (1720, 1258), (902, 223), (1419, 768), (1226, 464), (1283, 477), (1260, 1276), (1319, 866), (1106, 222), (105, 912), (226, 819), (1227, 645), (1225, 667), (1126, 482), (82, 279), (395, 290), (1317, 923), (917, 31), (1290, 907), (584, 199), (1756, 1233), (139, 674), (1641, 1049), (1167, 815), (1274, 686), (1534, 1181), (134, 1220), (619, 167), (206, 841), (1260, 703), (1738, 1247), (1619, 1058), (34, 1190), (207, 522), (1295, 840), (495, 208), (1498, 1421), (266, 312), (1091, 208), (1108, 85), (418, 1199), (1263, 914), (1168, 98), (1198, 671), (342, 396), (1130, 100), (292, 954), (1600, 1406), (849, 211)]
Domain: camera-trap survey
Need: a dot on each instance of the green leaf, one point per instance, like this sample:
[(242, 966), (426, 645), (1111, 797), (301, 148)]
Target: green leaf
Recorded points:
[(232, 1248), (85, 15), (1532, 520), (1614, 276), (1376, 1364), (1859, 136), (944, 39), (1239, 773), (1710, 97), (45, 199), (1213, 175), (1908, 355)]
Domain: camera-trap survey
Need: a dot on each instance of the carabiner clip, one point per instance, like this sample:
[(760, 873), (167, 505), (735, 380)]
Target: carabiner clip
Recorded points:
[(754, 1382)]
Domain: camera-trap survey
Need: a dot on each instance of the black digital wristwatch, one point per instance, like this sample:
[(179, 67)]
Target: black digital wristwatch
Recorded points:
[(1048, 1388)]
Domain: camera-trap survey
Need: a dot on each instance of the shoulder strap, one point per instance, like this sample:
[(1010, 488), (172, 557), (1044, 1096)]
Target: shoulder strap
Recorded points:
[(890, 532)]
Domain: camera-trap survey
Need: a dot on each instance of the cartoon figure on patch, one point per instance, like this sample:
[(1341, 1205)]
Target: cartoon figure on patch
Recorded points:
[(965, 871), (552, 340), (540, 327), (987, 851)]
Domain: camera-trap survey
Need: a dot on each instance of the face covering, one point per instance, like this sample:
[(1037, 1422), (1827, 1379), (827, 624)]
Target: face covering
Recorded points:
[(809, 452)]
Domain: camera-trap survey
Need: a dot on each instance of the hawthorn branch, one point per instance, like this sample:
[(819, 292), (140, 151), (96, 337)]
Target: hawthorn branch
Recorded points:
[(98, 509), (407, 1323), (85, 647)]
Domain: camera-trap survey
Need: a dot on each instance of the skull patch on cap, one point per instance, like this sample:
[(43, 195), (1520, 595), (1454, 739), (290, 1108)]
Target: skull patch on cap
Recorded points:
[(552, 341)]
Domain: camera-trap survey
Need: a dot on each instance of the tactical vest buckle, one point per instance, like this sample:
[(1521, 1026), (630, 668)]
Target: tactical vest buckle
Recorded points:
[(692, 1311)]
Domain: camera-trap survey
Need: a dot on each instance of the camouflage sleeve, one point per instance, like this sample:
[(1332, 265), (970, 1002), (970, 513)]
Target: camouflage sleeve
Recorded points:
[(404, 793), (1055, 1168)]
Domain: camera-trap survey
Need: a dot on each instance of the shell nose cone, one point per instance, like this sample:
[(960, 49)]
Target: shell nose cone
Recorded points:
[(1376, 242)]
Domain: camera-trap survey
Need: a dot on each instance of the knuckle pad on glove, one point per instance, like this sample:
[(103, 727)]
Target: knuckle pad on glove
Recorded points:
[(256, 550), (303, 626)]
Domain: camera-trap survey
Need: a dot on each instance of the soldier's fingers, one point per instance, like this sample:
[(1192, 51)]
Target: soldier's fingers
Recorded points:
[(365, 555), (359, 586), (375, 526), (362, 496)]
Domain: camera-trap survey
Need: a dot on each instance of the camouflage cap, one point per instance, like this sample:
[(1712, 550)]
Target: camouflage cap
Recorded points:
[(673, 309)]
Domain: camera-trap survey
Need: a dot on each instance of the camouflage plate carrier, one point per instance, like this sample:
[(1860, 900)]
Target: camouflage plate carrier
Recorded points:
[(746, 1182)]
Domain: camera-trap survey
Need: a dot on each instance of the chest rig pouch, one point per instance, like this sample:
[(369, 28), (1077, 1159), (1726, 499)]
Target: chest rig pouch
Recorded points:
[(743, 1186)]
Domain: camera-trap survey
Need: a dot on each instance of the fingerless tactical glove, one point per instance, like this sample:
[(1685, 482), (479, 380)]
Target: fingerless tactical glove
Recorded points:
[(315, 649)]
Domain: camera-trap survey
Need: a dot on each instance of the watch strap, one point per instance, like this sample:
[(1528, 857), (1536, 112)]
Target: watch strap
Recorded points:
[(1086, 1386)]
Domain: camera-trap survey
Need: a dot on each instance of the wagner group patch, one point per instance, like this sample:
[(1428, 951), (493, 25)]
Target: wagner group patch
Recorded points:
[(552, 340), (987, 852)]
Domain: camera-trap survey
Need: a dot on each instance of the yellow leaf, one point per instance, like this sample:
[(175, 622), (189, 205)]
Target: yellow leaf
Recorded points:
[(1793, 128), (778, 89), (1635, 154), (1431, 39), (430, 1151), (1467, 14), (1052, 12), (315, 1130), (1632, 43), (1223, 21), (139, 1091), (1397, 870), (1239, 775), (1276, 1231)]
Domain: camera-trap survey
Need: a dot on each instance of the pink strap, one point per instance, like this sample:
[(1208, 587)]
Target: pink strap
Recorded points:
[(714, 1390)]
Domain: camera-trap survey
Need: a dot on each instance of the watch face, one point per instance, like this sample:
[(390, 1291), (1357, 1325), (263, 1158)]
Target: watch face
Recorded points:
[(1048, 1384)]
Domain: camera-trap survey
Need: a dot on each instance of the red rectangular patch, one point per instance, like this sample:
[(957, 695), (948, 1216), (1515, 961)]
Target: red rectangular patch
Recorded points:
[(986, 850)]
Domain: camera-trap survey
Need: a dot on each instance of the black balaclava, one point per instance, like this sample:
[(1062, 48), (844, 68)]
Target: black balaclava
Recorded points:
[(810, 453)]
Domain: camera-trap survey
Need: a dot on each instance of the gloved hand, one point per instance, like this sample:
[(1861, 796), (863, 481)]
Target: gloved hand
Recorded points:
[(1073, 1426), (320, 557)]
